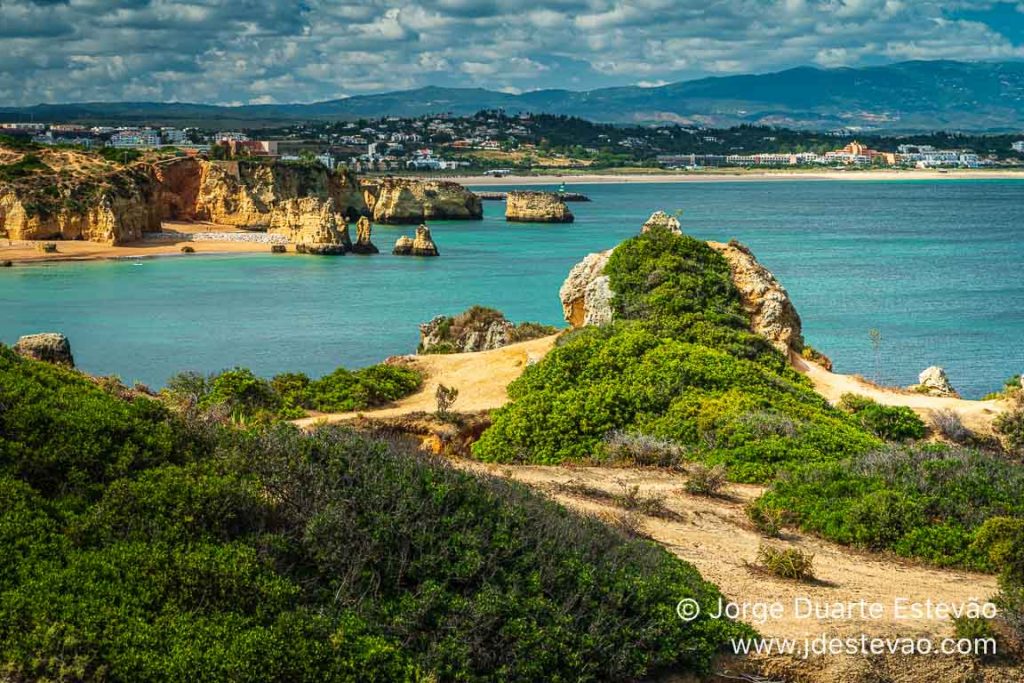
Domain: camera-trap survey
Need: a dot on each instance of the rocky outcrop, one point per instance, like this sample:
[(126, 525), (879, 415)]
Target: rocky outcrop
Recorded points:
[(50, 347), (766, 302), (476, 329), (536, 207), (587, 296), (245, 193), (934, 382), (403, 201), (363, 243), (312, 224), (660, 219), (110, 208), (421, 245)]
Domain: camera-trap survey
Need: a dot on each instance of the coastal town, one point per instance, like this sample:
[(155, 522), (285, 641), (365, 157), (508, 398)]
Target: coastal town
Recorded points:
[(493, 142)]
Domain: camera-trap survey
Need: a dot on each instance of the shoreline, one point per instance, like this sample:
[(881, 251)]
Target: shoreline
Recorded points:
[(738, 176), (25, 252)]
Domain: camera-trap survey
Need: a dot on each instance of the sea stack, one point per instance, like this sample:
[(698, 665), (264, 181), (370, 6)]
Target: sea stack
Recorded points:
[(363, 244), (312, 224), (536, 207), (422, 245), (51, 347)]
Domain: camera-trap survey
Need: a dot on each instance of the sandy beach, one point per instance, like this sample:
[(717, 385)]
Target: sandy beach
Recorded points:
[(156, 244), (741, 175)]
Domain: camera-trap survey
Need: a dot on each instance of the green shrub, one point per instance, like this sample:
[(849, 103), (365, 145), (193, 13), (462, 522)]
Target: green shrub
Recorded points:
[(705, 481), (786, 563), (1010, 424), (680, 364), (917, 501), (344, 390), (243, 395), (768, 521), (892, 423), (268, 554)]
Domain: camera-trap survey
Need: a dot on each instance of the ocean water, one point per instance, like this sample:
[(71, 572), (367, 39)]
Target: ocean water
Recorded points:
[(934, 266)]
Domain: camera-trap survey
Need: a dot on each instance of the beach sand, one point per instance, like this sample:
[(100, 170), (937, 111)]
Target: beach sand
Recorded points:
[(21, 251)]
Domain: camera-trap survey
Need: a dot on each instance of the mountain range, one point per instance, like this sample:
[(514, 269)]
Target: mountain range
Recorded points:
[(900, 97)]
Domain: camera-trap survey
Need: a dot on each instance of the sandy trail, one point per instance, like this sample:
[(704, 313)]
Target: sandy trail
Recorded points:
[(481, 378), (977, 415), (715, 536)]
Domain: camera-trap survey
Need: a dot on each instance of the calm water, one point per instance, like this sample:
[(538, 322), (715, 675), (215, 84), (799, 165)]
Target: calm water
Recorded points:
[(935, 266)]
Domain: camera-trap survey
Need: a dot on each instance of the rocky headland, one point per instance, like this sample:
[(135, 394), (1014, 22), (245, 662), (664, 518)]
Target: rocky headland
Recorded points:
[(404, 201), (587, 296), (536, 207)]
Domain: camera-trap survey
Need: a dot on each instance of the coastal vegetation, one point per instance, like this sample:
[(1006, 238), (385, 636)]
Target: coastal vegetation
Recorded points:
[(478, 328), (145, 543), (245, 397), (678, 363)]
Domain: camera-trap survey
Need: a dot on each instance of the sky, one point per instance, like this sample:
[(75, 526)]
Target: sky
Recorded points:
[(267, 51)]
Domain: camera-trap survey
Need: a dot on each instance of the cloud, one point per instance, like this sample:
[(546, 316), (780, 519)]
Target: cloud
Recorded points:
[(282, 50)]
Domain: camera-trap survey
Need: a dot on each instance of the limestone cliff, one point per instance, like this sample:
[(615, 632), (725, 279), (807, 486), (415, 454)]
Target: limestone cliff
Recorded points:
[(586, 293), (402, 201), (421, 245), (536, 207), (110, 207), (312, 224), (245, 193)]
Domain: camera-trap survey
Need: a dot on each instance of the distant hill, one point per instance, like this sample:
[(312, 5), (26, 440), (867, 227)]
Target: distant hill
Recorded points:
[(908, 96)]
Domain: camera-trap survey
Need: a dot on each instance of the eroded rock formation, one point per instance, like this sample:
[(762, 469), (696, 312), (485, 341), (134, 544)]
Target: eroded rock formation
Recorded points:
[(399, 201), (363, 244), (587, 296), (476, 329), (934, 382), (421, 245), (660, 219), (312, 224), (536, 207), (51, 347), (113, 207)]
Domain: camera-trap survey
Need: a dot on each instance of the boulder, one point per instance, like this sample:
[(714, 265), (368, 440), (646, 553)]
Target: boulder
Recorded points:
[(586, 293), (363, 244), (422, 245), (476, 329), (662, 220), (50, 347), (403, 201), (312, 224), (934, 382), (536, 207)]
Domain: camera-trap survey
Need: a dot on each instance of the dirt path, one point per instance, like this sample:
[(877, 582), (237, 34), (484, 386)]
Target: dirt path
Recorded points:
[(714, 535), (481, 378), (977, 415)]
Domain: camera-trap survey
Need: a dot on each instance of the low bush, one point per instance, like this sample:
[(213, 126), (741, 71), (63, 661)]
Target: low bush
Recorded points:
[(892, 423), (786, 563), (246, 398), (768, 521), (705, 481), (950, 425), (639, 450), (924, 501), (1010, 424)]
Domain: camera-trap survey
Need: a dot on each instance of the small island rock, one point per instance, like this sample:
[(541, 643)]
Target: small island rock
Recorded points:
[(51, 347)]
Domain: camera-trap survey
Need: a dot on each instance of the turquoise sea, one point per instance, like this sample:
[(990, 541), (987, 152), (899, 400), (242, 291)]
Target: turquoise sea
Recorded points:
[(935, 266)]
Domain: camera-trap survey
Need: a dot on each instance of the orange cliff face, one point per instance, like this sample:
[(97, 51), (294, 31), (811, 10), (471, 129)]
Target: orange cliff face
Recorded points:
[(85, 198)]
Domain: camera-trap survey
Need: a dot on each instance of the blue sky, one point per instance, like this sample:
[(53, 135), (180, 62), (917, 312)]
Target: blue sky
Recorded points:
[(262, 51)]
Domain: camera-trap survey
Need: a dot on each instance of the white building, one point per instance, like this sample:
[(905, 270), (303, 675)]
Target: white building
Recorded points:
[(145, 137)]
